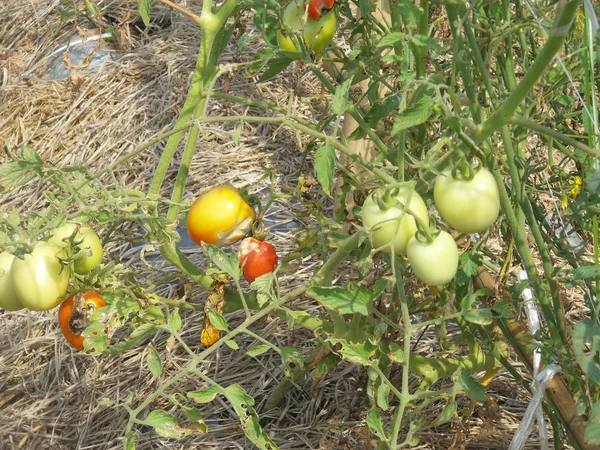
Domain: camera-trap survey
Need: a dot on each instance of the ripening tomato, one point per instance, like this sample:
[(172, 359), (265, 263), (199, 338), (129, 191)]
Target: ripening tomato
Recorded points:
[(393, 226), (436, 262), (317, 8), (468, 206), (256, 258), (40, 279), (220, 216), (87, 241), (316, 34), (8, 296), (74, 315)]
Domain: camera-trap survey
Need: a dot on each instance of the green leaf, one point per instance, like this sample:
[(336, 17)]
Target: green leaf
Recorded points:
[(153, 361), (392, 38), (376, 114), (592, 181), (586, 345), (480, 316), (586, 272), (232, 345), (258, 350), (352, 300), (217, 320), (195, 415), (154, 314), (469, 265), (227, 263), (291, 358), (340, 97), (205, 395), (448, 412), (374, 423), (383, 392), (325, 366), (144, 9), (472, 388), (21, 171), (166, 425), (274, 67), (325, 167), (175, 321), (359, 353), (411, 14), (415, 114), (420, 40), (592, 429), (135, 338)]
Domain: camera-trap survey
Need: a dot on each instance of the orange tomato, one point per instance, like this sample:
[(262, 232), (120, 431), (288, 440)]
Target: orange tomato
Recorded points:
[(74, 314)]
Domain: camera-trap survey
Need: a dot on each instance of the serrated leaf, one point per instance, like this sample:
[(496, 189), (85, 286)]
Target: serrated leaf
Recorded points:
[(391, 39), (144, 10), (447, 413), (340, 97), (411, 14), (218, 321), (21, 171), (205, 395), (325, 167), (420, 40), (258, 350), (175, 321), (415, 114), (383, 392), (153, 361), (469, 267), (351, 300), (227, 263), (472, 388), (165, 424), (586, 345), (359, 353)]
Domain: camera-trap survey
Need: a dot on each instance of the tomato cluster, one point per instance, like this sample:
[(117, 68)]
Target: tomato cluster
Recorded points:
[(313, 21), (222, 216), (468, 203)]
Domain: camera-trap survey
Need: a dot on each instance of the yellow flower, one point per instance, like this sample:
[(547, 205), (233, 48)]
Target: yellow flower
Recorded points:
[(576, 189)]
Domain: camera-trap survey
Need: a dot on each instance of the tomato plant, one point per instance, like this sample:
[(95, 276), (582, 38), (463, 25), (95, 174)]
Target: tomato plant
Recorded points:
[(435, 262), (388, 222), (220, 216), (467, 205), (74, 314), (8, 295), (256, 258), (316, 34), (86, 240), (40, 279)]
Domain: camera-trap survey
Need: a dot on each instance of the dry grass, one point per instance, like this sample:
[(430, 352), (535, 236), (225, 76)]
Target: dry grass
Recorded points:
[(50, 396)]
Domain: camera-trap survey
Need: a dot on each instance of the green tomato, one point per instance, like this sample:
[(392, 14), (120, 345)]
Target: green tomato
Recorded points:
[(8, 296), (468, 206), (317, 34), (390, 226), (88, 242), (436, 262), (39, 279)]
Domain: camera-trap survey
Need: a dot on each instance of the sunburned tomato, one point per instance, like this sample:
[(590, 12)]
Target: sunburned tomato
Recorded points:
[(468, 206), (316, 34), (89, 253), (317, 8), (436, 262), (393, 226), (8, 295), (74, 315), (256, 258), (220, 216), (40, 279)]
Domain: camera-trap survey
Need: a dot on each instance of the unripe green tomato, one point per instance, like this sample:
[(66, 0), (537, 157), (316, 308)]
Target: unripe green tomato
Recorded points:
[(384, 224), (8, 296), (90, 254), (468, 206), (39, 279), (436, 262), (317, 34)]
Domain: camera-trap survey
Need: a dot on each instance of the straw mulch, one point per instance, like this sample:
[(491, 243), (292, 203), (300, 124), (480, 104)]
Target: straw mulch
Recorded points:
[(50, 396)]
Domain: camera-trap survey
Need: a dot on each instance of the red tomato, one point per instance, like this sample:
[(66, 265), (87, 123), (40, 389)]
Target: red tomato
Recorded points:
[(316, 8), (256, 258), (74, 314)]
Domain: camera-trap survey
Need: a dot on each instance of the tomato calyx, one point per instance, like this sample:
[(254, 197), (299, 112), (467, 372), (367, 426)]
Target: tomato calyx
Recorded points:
[(82, 313), (465, 171)]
